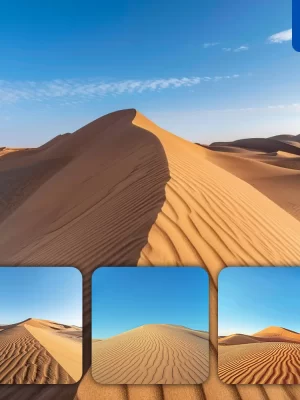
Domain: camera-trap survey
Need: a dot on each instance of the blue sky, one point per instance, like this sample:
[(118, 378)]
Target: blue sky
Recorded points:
[(41, 292), (251, 299), (66, 63), (128, 297)]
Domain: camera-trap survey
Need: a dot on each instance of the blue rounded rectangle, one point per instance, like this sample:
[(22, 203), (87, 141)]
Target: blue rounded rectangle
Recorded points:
[(296, 25)]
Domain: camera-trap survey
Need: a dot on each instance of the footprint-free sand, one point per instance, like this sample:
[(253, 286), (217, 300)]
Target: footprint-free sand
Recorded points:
[(152, 354)]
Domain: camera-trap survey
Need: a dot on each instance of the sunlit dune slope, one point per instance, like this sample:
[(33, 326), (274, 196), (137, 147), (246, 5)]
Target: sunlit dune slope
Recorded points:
[(25, 359), (152, 354), (122, 191), (277, 176), (277, 332)]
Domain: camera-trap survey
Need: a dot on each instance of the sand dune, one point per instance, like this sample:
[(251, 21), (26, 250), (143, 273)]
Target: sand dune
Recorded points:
[(261, 144), (152, 354), (270, 356), (122, 191), (276, 175), (26, 359), (277, 333), (260, 363), (236, 339), (287, 138)]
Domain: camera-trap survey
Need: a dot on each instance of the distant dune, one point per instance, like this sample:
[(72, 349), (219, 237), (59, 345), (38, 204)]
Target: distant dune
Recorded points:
[(122, 191), (152, 354), (287, 138), (270, 165), (270, 356), (276, 332), (237, 338), (33, 352), (267, 145)]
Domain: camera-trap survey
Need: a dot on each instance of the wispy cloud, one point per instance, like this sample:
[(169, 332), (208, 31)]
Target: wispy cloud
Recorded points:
[(206, 45), (280, 37), (78, 91), (236, 50), (241, 48)]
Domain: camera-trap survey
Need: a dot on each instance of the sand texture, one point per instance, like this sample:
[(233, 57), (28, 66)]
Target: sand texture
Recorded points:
[(271, 356), (152, 354), (25, 360), (122, 191)]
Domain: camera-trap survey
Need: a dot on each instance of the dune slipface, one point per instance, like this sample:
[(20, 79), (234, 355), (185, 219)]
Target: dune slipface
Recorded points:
[(271, 356), (25, 360), (123, 191), (152, 354)]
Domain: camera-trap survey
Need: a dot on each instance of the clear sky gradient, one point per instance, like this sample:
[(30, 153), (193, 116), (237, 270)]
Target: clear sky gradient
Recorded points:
[(128, 297), (251, 299), (204, 70), (41, 292)]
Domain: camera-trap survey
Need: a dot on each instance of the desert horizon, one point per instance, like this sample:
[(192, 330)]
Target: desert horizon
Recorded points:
[(41, 319)]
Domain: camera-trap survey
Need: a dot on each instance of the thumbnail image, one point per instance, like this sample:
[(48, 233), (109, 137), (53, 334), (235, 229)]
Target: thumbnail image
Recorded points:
[(150, 325), (40, 325), (259, 325)]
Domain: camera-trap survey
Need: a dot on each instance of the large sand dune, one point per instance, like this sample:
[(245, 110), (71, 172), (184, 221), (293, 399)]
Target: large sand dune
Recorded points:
[(152, 354), (25, 359), (271, 357), (122, 191), (276, 332)]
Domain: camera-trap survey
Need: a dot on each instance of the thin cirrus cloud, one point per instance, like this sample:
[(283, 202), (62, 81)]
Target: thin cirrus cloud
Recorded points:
[(212, 44), (12, 92), (280, 37), (241, 48), (236, 50)]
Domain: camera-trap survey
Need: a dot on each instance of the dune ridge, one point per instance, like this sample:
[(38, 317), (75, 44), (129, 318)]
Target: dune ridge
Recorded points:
[(152, 354), (130, 193)]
